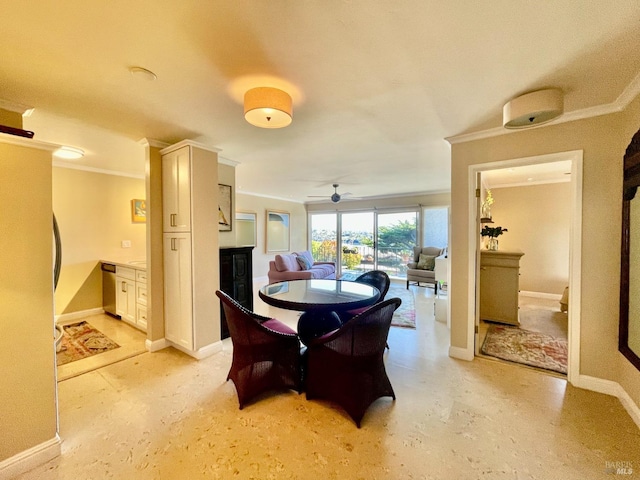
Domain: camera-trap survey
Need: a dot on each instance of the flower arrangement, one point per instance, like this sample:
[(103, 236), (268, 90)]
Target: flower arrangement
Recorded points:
[(492, 232)]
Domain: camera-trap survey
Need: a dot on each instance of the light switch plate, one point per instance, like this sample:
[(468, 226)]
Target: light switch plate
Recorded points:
[(126, 243)]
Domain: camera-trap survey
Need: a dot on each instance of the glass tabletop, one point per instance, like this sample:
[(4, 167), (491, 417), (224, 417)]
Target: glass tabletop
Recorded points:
[(323, 294)]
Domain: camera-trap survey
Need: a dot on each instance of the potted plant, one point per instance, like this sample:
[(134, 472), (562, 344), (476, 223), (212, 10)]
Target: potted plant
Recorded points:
[(493, 233)]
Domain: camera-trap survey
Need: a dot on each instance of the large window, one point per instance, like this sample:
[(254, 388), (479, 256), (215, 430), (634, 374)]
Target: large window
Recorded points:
[(368, 240), (435, 227), (323, 237)]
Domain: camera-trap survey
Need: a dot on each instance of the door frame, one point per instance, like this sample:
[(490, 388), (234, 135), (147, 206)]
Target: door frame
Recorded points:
[(575, 249)]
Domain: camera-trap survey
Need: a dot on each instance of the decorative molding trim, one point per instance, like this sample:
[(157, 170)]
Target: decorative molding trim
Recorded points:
[(16, 107), (461, 353), (624, 99), (28, 142), (156, 345), (67, 317), (609, 387), (31, 458), (150, 142), (61, 164), (227, 161), (201, 353), (191, 143), (547, 296)]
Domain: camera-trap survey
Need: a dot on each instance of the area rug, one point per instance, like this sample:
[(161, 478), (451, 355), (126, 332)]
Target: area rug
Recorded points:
[(525, 347), (405, 315), (81, 340)]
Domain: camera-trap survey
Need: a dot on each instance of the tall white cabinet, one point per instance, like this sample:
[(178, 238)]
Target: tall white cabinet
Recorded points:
[(190, 246)]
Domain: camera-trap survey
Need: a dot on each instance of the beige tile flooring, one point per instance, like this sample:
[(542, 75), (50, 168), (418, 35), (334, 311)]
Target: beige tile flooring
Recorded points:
[(130, 339), (167, 416)]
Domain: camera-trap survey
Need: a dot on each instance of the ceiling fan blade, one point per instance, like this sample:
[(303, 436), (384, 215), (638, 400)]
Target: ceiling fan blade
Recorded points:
[(319, 196)]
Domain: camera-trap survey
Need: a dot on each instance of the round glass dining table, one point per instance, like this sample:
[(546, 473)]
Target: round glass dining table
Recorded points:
[(320, 300)]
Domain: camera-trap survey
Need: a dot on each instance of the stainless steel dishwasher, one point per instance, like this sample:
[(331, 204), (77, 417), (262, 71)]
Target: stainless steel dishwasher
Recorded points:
[(109, 289)]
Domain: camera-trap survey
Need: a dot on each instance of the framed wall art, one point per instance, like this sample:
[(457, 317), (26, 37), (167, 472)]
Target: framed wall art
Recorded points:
[(138, 211), (224, 208), (278, 231)]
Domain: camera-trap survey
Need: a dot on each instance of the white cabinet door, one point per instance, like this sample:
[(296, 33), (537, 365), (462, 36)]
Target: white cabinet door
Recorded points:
[(176, 190), (126, 299), (177, 289)]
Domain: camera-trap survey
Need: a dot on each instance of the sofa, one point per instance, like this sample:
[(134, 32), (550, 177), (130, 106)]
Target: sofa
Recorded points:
[(422, 270), (299, 266)]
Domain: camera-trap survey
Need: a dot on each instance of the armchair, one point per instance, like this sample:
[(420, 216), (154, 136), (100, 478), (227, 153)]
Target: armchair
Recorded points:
[(346, 366), (266, 352), (423, 275)]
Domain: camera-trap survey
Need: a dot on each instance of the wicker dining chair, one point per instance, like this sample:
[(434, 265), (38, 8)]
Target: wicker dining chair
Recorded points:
[(347, 366), (266, 352)]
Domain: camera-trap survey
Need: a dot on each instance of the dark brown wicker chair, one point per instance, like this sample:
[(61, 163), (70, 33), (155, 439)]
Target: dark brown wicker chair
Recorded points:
[(347, 366), (266, 352)]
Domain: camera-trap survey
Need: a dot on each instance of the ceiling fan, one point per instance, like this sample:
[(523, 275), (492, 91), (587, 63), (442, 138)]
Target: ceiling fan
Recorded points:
[(336, 197)]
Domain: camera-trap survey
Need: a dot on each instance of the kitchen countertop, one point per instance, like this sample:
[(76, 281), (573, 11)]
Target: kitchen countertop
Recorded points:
[(136, 264)]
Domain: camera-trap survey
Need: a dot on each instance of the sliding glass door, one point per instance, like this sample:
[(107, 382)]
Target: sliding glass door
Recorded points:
[(324, 237), (356, 235), (396, 235), (367, 240)]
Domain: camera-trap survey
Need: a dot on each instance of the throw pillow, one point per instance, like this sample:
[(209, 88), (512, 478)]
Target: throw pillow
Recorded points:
[(426, 262), (304, 262)]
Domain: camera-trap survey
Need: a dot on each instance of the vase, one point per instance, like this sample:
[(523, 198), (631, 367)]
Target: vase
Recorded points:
[(493, 243)]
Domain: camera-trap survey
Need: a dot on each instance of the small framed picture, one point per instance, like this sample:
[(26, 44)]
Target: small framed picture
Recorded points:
[(224, 208), (138, 211)]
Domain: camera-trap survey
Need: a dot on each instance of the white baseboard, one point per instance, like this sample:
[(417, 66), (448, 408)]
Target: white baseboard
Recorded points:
[(461, 353), (546, 296), (66, 317), (261, 280), (155, 345), (31, 458), (201, 353), (609, 387)]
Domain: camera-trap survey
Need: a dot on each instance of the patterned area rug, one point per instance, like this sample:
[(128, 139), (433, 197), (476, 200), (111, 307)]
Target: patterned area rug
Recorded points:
[(405, 315), (81, 340), (528, 348)]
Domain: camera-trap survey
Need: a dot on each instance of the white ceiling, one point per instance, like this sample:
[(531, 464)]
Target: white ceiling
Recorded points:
[(377, 86)]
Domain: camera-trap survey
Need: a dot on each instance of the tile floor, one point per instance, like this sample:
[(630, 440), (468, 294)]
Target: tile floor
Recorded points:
[(130, 339), (167, 416)]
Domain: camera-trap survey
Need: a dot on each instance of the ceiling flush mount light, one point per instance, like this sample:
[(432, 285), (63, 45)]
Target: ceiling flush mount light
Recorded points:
[(69, 153), (533, 109), (142, 73), (267, 107)]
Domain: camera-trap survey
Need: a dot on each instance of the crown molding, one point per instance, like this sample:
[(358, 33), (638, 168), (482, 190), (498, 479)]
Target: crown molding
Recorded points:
[(619, 104), (227, 161), (28, 142), (84, 168), (191, 143), (150, 142), (16, 107), (261, 195)]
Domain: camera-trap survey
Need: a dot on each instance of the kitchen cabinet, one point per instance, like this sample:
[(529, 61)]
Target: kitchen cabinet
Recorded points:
[(176, 188), (499, 286), (190, 248), (236, 279), (131, 296), (177, 293)]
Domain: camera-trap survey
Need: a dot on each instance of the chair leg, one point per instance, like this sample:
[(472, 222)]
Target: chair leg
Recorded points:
[(407, 284)]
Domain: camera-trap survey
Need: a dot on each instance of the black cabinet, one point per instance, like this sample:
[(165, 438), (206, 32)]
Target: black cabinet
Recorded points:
[(236, 279)]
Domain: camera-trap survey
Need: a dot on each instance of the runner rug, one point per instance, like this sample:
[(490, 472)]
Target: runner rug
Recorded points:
[(81, 340), (528, 348), (405, 315)]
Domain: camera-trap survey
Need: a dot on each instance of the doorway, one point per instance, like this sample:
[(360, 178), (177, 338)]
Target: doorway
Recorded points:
[(574, 159)]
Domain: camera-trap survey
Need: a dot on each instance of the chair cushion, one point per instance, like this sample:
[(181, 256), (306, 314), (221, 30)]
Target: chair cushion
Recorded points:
[(426, 262), (278, 326), (304, 262), (287, 263)]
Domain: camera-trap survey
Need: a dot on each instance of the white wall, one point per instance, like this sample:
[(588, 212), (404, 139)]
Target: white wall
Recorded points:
[(537, 218)]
